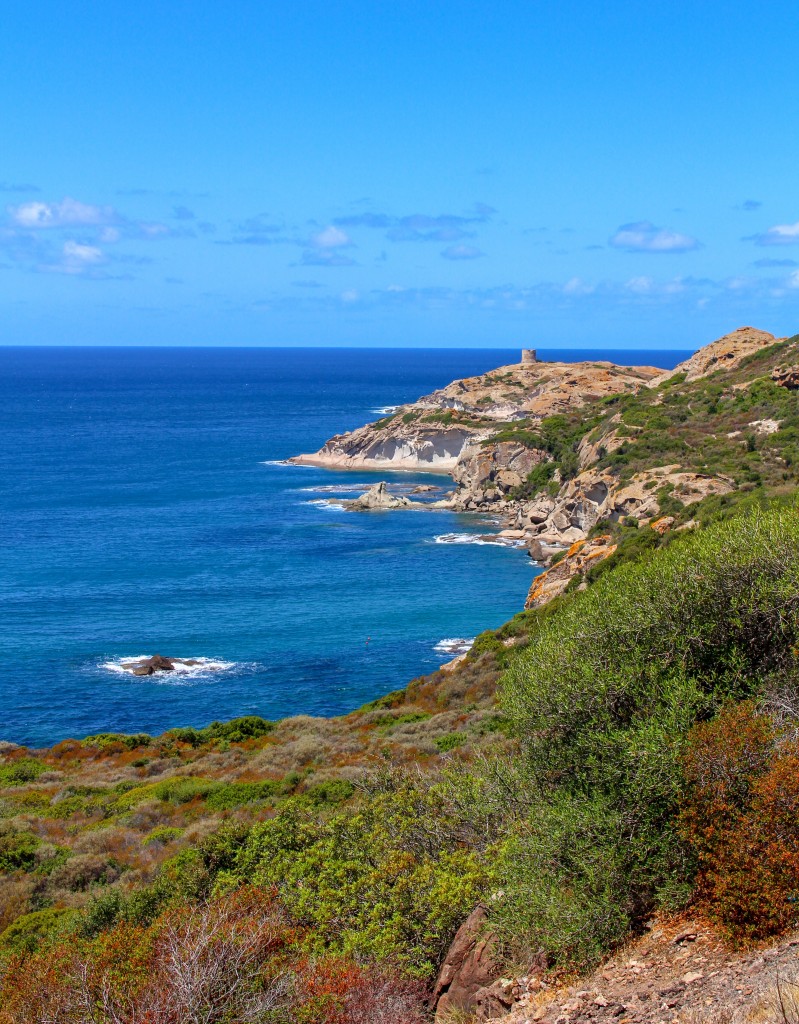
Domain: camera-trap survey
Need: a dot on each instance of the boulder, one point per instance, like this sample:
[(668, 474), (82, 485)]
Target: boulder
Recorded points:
[(786, 377), (378, 497), (471, 965), (580, 557), (152, 665)]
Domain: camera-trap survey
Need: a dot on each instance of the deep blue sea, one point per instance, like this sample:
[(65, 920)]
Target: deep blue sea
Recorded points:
[(144, 509)]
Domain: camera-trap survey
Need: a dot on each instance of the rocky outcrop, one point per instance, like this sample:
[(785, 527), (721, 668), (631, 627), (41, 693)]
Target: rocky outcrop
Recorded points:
[(681, 970), (488, 472), (469, 968), (149, 666), (378, 497), (431, 447), (786, 377), (535, 390), (554, 523), (723, 354), (577, 560)]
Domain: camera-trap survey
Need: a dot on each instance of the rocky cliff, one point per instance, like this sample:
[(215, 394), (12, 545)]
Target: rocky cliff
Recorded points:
[(435, 432), (561, 449)]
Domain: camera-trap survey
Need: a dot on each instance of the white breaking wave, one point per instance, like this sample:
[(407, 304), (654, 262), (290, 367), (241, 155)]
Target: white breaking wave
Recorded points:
[(475, 538), (333, 506), (284, 462), (335, 488), (454, 645), (203, 667), (386, 410), (478, 538)]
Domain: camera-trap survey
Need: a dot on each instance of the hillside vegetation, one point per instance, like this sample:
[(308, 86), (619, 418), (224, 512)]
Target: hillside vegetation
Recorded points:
[(629, 748)]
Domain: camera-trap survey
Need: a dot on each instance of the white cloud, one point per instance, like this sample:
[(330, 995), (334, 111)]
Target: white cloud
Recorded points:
[(576, 286), (76, 259), (639, 285), (643, 236), (68, 213), (331, 237), (462, 252), (780, 234), (793, 279)]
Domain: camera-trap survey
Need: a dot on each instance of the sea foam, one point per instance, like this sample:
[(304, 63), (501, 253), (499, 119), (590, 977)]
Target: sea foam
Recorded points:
[(453, 645), (180, 673), (476, 538)]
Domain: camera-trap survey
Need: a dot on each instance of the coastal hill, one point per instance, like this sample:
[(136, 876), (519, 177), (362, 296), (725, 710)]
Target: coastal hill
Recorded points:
[(591, 815), (433, 433), (555, 448)]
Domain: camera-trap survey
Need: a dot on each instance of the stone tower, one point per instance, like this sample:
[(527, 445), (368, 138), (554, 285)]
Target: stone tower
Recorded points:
[(528, 356)]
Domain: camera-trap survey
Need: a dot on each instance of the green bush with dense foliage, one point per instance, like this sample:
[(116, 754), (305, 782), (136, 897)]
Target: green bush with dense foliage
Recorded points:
[(603, 698)]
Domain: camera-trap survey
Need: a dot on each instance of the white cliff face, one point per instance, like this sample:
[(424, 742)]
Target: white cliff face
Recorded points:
[(404, 447)]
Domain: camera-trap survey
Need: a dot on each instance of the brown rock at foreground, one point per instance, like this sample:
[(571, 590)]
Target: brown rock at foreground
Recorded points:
[(470, 966)]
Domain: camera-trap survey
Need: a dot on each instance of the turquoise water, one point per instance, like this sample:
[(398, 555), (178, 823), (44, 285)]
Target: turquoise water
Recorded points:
[(144, 510)]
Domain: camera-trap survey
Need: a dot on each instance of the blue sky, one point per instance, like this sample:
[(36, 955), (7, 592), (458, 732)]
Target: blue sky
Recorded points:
[(563, 174)]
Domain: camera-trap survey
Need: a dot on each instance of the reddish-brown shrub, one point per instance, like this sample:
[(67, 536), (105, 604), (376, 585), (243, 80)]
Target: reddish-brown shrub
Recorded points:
[(722, 760), (233, 959), (741, 817), (335, 990), (193, 966)]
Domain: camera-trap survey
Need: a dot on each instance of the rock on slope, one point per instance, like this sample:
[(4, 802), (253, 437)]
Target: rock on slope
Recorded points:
[(722, 354)]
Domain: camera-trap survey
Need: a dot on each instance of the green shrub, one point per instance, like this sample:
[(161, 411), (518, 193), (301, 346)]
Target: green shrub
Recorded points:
[(235, 731), (233, 794), (387, 880), (163, 834), (181, 789), (334, 791), (106, 740), (18, 848), (20, 771), (449, 741), (606, 691), (26, 934)]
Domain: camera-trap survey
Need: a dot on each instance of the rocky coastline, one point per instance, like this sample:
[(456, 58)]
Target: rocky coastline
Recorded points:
[(488, 433)]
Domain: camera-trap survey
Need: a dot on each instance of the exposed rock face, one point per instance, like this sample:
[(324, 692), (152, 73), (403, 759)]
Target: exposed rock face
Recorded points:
[(580, 557), (786, 377), (434, 432), (724, 353), (469, 967), (431, 447), (535, 390), (555, 523), (378, 497), (486, 473)]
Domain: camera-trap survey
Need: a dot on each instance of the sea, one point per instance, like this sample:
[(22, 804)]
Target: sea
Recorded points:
[(145, 507)]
